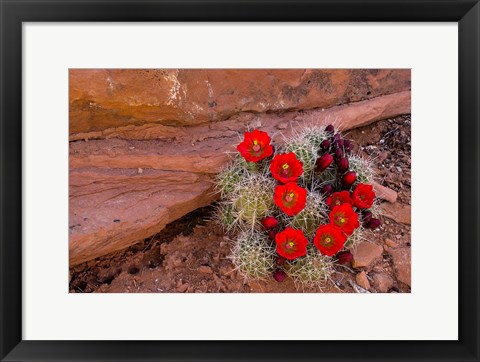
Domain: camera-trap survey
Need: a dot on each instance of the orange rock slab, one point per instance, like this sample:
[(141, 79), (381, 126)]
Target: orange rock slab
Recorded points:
[(110, 98)]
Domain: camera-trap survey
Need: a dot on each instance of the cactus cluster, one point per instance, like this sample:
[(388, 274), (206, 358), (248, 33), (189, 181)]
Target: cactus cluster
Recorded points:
[(253, 255), (305, 144), (283, 208), (314, 269)]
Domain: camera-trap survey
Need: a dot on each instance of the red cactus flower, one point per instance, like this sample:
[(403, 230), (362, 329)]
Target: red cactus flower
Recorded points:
[(290, 198), (285, 167), (291, 243), (344, 257), (269, 222), (255, 146), (349, 179), (363, 196), (329, 239), (345, 218), (339, 198), (323, 162)]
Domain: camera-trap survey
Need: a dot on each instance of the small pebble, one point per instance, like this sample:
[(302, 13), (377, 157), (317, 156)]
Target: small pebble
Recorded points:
[(205, 269), (391, 243)]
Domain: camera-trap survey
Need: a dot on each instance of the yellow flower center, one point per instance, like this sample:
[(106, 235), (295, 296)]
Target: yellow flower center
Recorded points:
[(289, 245), (285, 166), (256, 147), (328, 240), (289, 197)]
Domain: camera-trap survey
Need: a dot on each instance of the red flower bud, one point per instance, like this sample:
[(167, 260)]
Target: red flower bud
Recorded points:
[(272, 234), (325, 145), (344, 257), (347, 145), (279, 275), (374, 223), (338, 153), (280, 260), (349, 178), (323, 162), (367, 216), (269, 222), (342, 164), (330, 129), (338, 143), (326, 190), (336, 137)]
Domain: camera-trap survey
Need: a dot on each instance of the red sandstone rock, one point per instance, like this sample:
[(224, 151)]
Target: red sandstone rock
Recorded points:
[(347, 116), (111, 98), (402, 264), (390, 243), (384, 193), (110, 209), (382, 282), (362, 280), (205, 269), (399, 212), (365, 253)]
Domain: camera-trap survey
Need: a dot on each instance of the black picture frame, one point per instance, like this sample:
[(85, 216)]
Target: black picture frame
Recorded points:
[(15, 12)]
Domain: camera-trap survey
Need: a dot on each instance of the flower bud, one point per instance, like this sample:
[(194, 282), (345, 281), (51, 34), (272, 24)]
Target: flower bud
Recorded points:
[(366, 217), (327, 190), (338, 143), (374, 223), (338, 153), (342, 164), (344, 257), (269, 222), (325, 145), (323, 162), (347, 145), (280, 260), (279, 275), (330, 129), (349, 178), (272, 234)]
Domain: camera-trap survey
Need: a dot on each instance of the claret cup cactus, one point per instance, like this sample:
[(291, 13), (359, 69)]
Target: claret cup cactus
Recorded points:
[(294, 210)]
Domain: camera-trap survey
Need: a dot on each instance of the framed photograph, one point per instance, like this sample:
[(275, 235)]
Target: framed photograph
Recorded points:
[(239, 180)]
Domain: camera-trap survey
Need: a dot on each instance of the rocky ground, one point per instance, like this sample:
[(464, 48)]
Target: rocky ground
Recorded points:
[(191, 254)]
